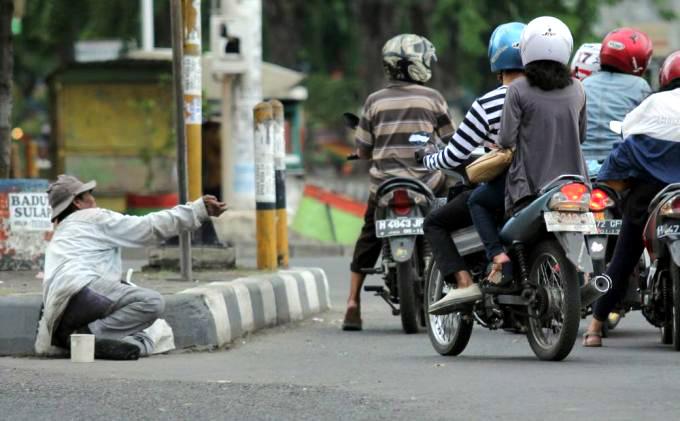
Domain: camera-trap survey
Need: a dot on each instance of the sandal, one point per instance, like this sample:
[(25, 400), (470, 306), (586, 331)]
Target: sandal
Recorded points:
[(595, 343), (352, 320)]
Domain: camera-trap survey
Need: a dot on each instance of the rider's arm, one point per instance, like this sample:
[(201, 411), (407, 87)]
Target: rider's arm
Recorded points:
[(363, 136), (471, 133), (444, 127), (511, 119)]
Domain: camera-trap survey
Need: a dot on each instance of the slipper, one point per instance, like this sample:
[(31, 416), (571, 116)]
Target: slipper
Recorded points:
[(112, 349), (596, 343), (352, 320)]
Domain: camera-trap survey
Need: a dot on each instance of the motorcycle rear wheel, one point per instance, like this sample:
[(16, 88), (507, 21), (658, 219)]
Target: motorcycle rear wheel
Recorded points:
[(408, 303), (553, 335), (449, 333)]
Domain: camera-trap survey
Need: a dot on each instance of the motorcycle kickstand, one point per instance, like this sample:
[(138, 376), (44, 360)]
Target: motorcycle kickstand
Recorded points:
[(382, 293)]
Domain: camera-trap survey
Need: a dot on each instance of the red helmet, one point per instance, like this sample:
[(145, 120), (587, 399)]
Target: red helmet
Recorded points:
[(670, 69), (627, 50)]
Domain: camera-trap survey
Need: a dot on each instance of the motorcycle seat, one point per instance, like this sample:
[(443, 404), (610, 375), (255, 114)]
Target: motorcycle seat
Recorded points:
[(662, 195)]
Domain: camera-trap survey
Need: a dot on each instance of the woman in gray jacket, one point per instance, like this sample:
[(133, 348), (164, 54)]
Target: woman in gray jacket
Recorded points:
[(544, 117)]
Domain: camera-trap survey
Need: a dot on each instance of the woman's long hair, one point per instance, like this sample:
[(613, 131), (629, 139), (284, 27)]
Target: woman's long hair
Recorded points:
[(548, 75)]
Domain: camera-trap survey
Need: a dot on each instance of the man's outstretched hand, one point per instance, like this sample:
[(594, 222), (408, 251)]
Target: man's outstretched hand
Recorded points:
[(214, 206)]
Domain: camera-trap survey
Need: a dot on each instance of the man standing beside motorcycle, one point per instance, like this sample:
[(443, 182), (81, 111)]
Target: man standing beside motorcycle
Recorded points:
[(647, 160), (389, 117), (479, 128)]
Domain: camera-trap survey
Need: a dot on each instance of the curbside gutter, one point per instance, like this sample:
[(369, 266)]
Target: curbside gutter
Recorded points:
[(208, 316)]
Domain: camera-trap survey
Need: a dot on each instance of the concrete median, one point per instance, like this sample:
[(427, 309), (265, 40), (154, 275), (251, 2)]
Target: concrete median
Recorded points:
[(211, 315)]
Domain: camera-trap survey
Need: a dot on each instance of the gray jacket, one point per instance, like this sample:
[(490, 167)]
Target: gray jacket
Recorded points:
[(547, 128)]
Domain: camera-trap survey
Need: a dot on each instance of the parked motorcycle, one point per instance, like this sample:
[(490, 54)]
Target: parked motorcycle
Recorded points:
[(660, 290), (402, 204), (547, 245)]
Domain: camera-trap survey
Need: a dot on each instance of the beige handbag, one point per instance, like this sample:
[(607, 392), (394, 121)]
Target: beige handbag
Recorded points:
[(489, 166)]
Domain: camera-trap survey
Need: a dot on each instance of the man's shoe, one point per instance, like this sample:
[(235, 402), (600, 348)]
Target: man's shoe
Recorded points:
[(352, 320), (455, 299), (112, 349)]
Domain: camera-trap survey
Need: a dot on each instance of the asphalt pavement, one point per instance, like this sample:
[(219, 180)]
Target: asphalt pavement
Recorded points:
[(313, 370)]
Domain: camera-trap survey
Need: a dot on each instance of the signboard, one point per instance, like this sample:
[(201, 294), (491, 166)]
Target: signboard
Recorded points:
[(29, 212)]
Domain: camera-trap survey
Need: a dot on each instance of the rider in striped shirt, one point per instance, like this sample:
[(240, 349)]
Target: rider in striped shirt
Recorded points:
[(479, 206), (479, 128)]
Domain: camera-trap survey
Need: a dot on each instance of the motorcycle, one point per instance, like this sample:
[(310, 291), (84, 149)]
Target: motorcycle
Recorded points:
[(660, 290), (402, 204), (547, 245)]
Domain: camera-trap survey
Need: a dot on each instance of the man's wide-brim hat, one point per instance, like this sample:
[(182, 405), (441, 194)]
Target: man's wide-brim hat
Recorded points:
[(62, 192)]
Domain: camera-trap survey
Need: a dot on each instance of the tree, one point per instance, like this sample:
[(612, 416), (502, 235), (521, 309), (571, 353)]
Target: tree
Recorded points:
[(6, 64), (338, 42)]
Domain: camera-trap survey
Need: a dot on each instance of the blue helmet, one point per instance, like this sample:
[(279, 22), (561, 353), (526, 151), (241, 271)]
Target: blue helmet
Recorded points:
[(504, 47)]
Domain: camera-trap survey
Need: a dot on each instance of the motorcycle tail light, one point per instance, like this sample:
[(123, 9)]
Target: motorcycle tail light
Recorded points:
[(671, 208), (600, 200), (401, 203), (572, 197)]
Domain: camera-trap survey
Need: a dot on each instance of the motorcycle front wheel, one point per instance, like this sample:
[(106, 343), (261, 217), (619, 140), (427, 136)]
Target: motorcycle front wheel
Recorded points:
[(553, 328), (449, 333)]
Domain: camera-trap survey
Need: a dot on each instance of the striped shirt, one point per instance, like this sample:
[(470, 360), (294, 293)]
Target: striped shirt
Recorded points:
[(480, 127), (389, 118)]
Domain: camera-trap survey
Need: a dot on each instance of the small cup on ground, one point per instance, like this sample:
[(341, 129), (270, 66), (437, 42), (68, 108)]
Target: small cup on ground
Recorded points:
[(82, 348)]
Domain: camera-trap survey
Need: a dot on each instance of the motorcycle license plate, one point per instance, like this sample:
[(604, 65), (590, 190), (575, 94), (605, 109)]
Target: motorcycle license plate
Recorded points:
[(398, 227), (570, 221), (667, 230), (608, 226)]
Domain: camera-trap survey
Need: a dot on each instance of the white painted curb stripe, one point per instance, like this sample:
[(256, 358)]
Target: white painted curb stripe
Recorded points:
[(312, 290), (245, 305), (293, 296), (269, 302)]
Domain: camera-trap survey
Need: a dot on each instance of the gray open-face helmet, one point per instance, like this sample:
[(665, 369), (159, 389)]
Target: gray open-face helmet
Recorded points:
[(409, 57), (62, 192)]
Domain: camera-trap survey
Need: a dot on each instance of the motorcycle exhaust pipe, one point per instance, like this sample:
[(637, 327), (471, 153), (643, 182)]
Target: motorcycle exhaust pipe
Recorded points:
[(596, 287)]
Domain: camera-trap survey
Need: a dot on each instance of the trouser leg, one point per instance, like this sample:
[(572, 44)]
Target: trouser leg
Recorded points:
[(83, 308), (368, 246), (439, 225), (629, 247), (485, 203), (133, 310)]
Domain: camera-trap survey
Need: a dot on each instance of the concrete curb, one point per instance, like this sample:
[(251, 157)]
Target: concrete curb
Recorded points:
[(211, 315)]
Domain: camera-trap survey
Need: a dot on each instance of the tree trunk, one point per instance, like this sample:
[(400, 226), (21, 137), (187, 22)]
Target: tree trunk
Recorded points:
[(6, 64)]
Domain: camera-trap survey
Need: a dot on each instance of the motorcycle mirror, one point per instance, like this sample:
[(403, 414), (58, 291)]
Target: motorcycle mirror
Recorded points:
[(351, 120), (616, 126)]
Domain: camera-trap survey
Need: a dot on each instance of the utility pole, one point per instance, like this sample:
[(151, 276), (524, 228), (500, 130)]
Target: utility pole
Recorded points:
[(180, 128), (6, 66), (146, 8), (192, 94), (242, 92)]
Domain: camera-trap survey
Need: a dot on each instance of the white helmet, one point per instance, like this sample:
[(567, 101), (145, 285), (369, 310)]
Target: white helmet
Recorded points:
[(546, 38), (586, 61)]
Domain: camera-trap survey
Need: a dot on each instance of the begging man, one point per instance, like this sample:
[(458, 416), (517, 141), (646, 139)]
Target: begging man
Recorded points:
[(82, 287)]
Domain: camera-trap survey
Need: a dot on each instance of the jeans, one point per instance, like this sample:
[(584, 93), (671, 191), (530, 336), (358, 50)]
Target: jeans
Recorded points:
[(438, 227), (111, 310), (629, 246), (486, 203)]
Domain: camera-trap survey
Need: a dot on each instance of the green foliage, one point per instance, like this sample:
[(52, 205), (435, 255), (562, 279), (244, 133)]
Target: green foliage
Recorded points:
[(330, 97), (346, 36)]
